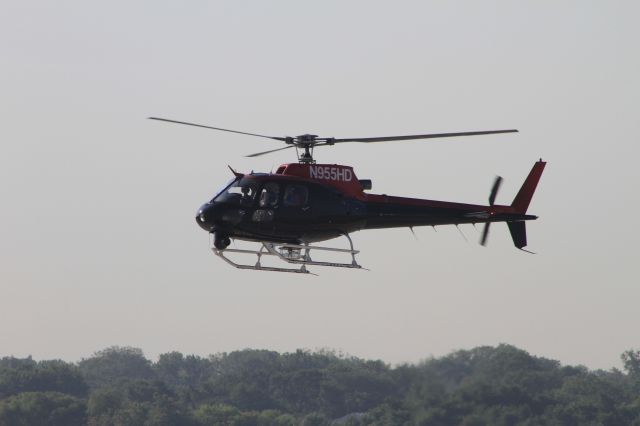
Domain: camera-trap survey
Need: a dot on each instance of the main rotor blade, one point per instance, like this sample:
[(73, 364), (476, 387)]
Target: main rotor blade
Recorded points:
[(427, 136), (257, 154), (485, 234), (216, 128), (494, 190)]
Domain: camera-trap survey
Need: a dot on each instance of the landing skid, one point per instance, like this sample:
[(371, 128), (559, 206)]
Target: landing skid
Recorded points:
[(299, 254)]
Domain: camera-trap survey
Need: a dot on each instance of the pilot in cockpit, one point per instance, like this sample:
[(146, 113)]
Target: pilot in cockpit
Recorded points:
[(269, 195), (248, 194)]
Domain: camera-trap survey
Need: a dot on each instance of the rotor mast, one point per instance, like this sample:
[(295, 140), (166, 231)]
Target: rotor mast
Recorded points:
[(307, 156), (306, 142)]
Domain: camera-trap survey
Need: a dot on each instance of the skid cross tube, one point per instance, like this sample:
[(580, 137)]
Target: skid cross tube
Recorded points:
[(258, 266), (299, 254)]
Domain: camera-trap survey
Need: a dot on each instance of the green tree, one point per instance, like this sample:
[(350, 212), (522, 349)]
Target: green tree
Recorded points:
[(631, 362), (590, 399), (42, 408), (115, 363), (216, 414), (28, 376), (136, 402), (175, 369)]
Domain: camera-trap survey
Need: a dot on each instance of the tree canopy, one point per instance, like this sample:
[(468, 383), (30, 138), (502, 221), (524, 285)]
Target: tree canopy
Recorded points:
[(500, 385)]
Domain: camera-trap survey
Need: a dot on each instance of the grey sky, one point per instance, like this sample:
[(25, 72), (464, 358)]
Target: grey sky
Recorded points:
[(98, 240)]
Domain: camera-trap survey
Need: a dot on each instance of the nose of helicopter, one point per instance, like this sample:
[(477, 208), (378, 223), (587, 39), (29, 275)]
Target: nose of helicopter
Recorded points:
[(205, 217)]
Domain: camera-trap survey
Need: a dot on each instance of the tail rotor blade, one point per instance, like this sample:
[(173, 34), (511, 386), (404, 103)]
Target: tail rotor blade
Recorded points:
[(494, 190), (485, 234)]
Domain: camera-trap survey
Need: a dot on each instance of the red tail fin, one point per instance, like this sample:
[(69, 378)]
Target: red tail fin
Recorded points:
[(522, 200)]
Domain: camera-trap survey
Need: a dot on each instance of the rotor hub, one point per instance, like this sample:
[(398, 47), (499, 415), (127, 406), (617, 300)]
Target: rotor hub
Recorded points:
[(307, 138)]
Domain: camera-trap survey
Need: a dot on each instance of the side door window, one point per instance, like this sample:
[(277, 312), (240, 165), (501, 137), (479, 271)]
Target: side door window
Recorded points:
[(296, 196), (270, 195), (267, 202)]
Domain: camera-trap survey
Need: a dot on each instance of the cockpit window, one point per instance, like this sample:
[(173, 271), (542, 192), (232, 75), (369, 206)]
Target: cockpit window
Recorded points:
[(224, 188), (241, 192), (269, 195)]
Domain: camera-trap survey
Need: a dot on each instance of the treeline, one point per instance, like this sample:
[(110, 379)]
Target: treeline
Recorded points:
[(484, 386)]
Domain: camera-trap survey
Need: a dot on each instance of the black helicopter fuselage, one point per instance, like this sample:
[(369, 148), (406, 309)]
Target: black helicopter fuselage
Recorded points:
[(304, 203)]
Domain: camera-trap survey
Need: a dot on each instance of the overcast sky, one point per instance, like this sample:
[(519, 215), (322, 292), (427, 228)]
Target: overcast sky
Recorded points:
[(99, 245)]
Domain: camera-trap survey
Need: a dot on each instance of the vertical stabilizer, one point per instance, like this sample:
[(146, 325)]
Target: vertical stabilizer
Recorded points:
[(522, 200)]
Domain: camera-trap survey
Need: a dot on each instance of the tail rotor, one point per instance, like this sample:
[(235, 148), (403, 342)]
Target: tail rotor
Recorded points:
[(492, 200)]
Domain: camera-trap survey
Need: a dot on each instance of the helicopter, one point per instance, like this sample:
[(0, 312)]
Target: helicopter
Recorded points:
[(285, 212)]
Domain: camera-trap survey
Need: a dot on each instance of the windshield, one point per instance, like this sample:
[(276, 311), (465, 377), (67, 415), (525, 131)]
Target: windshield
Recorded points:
[(221, 190), (240, 192)]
